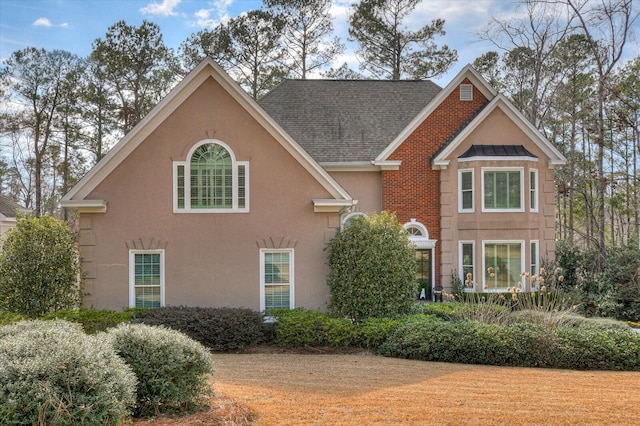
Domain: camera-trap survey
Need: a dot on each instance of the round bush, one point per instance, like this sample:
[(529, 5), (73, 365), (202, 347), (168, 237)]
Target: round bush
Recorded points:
[(53, 373), (172, 369)]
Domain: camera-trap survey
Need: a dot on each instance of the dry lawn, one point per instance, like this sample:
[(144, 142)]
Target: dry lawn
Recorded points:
[(362, 389)]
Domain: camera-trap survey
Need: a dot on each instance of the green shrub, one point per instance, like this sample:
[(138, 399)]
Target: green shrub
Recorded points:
[(8, 318), (584, 348), (372, 269), (519, 344), (219, 329), (301, 327), (172, 369), (92, 320), (53, 373), (372, 332), (565, 319), (39, 267)]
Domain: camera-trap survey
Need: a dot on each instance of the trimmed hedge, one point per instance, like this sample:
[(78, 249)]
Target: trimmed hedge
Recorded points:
[(301, 327), (521, 344), (53, 373), (219, 329), (172, 369)]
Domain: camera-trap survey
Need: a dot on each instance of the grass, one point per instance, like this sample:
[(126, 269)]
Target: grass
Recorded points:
[(357, 389)]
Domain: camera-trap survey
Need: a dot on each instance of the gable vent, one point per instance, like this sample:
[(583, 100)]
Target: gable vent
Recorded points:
[(466, 92)]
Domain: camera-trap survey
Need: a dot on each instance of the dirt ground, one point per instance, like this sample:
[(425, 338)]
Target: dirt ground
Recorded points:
[(266, 388)]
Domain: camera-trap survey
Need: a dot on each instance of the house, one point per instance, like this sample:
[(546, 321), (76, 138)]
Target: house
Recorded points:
[(214, 199), (9, 211)]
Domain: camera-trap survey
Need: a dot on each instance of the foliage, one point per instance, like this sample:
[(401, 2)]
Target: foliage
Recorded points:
[(8, 318), (53, 373), (307, 34), (519, 344), (138, 64), (172, 369), (372, 332), (373, 269), (256, 51), (39, 267), (388, 50), (302, 327), (93, 320), (219, 329)]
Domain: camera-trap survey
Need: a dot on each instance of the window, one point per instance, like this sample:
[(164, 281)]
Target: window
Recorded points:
[(211, 180), (467, 272), (535, 264), (533, 190), (503, 264), (146, 278), (465, 198), (502, 189), (277, 278)]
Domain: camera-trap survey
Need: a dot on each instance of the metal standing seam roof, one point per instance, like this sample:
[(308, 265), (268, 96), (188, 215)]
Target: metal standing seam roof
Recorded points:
[(497, 151), (347, 120)]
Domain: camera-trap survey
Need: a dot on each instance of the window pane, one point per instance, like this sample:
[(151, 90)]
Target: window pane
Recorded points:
[(423, 260), (211, 177), (276, 296), (147, 297), (242, 187), (503, 263), (467, 264), (147, 269), (502, 190), (276, 268), (180, 187), (466, 186)]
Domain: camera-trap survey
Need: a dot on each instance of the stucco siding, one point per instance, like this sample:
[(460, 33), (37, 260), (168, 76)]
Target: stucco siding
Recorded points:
[(211, 259)]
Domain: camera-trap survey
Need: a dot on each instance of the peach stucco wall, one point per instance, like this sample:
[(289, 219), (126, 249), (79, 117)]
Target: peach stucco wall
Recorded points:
[(211, 259), (366, 187), (496, 129)]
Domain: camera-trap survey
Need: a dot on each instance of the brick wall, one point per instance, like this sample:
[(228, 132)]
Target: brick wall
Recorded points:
[(413, 191)]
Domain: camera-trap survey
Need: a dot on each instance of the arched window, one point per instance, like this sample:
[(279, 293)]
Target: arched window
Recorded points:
[(211, 180), (344, 223)]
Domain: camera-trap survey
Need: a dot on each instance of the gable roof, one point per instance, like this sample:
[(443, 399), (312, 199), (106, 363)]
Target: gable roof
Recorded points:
[(468, 72), (501, 102), (347, 120), (9, 208), (76, 197)]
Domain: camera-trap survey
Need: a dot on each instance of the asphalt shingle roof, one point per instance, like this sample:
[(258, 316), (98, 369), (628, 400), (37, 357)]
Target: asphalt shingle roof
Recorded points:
[(347, 120), (8, 207)]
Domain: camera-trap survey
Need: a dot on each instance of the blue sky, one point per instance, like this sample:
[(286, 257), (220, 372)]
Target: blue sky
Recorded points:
[(73, 25)]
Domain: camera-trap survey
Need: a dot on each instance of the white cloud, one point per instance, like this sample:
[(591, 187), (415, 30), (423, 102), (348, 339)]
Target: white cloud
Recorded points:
[(166, 8), (209, 18), (42, 22), (45, 22)]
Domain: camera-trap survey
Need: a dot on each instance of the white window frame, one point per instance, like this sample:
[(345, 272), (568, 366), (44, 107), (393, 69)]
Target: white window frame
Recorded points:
[(461, 265), (344, 223), (461, 208), (534, 268), (291, 276), (235, 165), (132, 275), (523, 255), (533, 190), (522, 188)]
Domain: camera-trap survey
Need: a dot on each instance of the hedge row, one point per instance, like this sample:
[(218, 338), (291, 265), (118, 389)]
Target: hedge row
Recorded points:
[(519, 344)]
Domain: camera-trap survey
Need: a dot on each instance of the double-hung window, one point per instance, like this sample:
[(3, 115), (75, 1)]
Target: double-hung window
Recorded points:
[(502, 189), (533, 190), (465, 193), (211, 180), (276, 279), (535, 265), (146, 278), (467, 270)]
